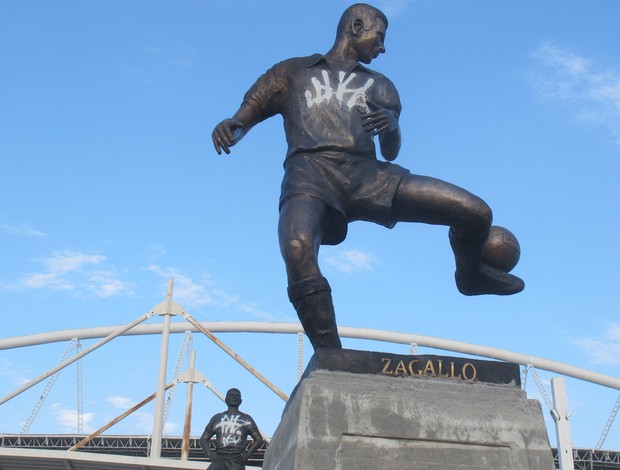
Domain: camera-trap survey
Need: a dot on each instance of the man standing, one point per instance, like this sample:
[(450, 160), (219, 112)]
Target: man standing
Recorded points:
[(231, 430), (333, 107)]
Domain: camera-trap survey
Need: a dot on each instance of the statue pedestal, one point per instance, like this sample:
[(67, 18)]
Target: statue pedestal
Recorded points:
[(358, 410)]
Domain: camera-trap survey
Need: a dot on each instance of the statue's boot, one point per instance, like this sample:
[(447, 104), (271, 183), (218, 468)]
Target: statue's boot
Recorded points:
[(475, 278), (488, 280), (312, 299)]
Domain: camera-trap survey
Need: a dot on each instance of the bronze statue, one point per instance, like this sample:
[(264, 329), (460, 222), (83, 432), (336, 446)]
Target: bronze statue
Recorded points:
[(231, 430), (333, 106)]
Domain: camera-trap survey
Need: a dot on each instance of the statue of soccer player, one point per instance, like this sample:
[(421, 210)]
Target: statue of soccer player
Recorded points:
[(333, 107), (231, 430)]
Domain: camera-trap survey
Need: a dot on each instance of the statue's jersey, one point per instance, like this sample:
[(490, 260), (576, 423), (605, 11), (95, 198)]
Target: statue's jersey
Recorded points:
[(231, 431), (321, 100)]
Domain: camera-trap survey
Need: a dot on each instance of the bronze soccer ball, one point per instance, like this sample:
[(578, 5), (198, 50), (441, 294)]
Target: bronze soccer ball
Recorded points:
[(501, 250)]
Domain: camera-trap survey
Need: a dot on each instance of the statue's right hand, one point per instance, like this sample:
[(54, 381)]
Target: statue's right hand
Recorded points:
[(226, 134)]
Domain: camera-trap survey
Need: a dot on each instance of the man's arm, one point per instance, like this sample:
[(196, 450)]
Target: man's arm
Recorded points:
[(204, 443)]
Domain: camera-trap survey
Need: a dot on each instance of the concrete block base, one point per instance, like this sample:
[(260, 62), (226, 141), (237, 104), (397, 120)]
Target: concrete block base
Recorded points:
[(356, 421)]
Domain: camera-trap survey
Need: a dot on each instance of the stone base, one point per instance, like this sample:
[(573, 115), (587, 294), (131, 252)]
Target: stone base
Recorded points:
[(356, 421)]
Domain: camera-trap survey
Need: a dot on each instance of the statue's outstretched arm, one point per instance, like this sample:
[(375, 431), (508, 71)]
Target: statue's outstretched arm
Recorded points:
[(230, 131)]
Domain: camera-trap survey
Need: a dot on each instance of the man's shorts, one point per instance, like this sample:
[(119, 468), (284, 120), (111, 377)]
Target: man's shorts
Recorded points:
[(352, 186)]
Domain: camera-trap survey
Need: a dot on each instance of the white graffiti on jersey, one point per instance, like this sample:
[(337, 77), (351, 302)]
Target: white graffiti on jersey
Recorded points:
[(231, 429), (323, 92)]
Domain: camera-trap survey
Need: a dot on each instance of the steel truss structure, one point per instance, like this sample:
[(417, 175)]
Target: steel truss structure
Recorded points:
[(592, 459), (133, 446), (139, 446)]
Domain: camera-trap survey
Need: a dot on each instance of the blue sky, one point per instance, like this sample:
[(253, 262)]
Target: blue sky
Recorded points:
[(110, 185)]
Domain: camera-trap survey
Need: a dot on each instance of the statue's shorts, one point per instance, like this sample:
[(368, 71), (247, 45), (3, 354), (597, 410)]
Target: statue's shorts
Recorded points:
[(228, 464), (352, 186)]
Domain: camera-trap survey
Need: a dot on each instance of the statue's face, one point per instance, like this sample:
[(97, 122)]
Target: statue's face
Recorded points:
[(233, 397), (370, 43)]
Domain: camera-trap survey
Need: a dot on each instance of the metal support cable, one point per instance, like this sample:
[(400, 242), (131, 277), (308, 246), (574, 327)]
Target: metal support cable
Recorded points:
[(540, 386), (46, 389), (610, 421), (187, 337)]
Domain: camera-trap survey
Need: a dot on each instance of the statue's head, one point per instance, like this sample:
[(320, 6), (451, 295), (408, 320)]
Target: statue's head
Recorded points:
[(233, 397), (363, 27)]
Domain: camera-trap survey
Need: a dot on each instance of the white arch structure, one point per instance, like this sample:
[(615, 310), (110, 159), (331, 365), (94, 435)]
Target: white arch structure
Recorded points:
[(346, 332)]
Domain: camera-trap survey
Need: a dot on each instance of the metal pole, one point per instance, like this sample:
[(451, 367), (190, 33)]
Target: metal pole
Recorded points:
[(119, 418), (300, 355), (158, 422), (235, 356), (80, 391), (188, 408), (562, 426)]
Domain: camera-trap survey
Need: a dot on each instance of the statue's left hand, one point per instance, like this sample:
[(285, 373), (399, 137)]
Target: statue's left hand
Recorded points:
[(226, 134), (379, 119)]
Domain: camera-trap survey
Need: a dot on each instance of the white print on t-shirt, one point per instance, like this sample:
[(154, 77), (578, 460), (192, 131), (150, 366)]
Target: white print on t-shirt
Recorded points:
[(323, 92), (231, 429)]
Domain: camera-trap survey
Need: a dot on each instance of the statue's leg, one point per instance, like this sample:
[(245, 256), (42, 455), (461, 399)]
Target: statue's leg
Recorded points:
[(300, 230), (432, 201)]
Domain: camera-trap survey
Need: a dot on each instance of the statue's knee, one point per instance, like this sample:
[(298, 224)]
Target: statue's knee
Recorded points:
[(296, 251), (484, 214), (475, 222)]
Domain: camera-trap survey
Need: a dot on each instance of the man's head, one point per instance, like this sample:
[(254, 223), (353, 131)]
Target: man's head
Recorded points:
[(363, 27), (233, 397)]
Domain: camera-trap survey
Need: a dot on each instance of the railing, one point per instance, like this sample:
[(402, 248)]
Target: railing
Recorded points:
[(592, 459), (133, 446), (139, 446)]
